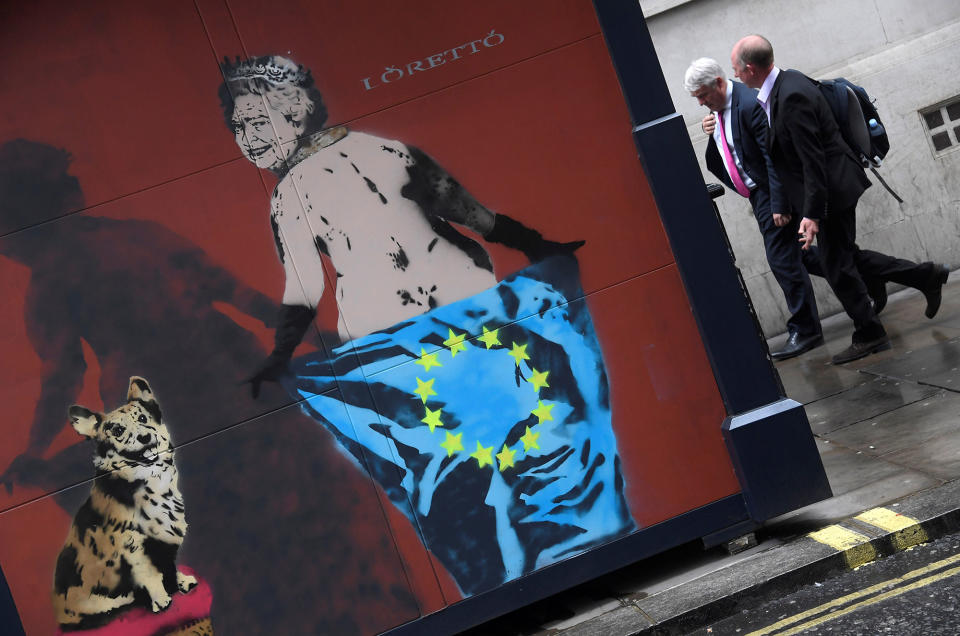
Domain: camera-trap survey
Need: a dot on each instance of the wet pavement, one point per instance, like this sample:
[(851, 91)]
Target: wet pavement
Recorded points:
[(888, 431)]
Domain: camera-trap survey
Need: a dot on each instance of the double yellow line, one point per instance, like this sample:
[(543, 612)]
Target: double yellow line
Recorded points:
[(904, 532), (798, 622)]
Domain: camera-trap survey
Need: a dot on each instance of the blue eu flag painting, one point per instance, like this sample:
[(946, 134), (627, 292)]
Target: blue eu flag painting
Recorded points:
[(487, 422)]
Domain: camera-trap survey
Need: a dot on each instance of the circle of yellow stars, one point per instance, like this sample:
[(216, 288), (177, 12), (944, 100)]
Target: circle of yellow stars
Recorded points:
[(453, 443)]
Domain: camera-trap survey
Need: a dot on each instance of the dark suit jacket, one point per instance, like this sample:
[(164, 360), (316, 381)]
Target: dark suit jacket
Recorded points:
[(817, 169), (749, 124)]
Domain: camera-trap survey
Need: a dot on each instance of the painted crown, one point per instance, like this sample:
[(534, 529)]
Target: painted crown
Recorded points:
[(273, 71)]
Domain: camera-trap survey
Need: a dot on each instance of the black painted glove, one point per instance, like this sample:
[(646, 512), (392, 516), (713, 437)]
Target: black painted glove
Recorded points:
[(511, 233), (292, 323)]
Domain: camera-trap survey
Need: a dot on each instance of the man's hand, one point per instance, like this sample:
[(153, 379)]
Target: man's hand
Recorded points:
[(781, 219), (709, 123), (808, 232)]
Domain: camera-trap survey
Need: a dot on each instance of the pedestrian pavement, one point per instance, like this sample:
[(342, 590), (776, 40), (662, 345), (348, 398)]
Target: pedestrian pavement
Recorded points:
[(888, 431)]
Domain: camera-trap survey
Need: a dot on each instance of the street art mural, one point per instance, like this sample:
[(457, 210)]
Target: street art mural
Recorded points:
[(543, 481), (401, 291)]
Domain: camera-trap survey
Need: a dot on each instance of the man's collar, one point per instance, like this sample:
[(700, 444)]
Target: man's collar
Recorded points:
[(729, 104), (763, 95)]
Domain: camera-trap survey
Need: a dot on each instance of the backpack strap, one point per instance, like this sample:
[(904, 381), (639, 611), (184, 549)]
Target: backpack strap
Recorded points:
[(884, 184), (856, 125)]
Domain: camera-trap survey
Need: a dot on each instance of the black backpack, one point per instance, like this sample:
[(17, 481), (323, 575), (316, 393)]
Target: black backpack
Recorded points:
[(859, 123)]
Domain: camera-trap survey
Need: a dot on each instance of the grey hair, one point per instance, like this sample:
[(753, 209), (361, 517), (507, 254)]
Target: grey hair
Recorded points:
[(701, 72)]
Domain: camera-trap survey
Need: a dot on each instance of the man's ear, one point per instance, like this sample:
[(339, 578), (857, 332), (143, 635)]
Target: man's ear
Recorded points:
[(85, 421), (140, 390)]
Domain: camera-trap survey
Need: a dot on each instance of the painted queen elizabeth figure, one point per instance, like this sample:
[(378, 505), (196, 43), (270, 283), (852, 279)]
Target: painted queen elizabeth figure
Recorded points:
[(480, 407)]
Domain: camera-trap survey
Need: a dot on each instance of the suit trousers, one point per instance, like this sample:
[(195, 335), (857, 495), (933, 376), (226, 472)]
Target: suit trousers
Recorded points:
[(837, 242), (784, 258), (877, 269)]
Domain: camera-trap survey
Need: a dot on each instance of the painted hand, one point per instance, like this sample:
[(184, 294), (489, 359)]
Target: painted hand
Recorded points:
[(274, 367), (21, 469)]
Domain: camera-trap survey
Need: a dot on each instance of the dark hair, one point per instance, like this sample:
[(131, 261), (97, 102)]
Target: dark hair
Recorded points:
[(265, 74), (758, 52), (34, 184)]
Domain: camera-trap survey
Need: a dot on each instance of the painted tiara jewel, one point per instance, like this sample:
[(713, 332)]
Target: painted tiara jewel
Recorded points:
[(270, 71)]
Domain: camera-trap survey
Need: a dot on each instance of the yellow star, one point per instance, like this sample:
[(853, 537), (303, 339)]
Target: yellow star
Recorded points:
[(428, 360), (539, 379), (453, 443), (519, 352), (529, 440), (489, 338), (433, 418), (455, 343), (425, 389), (505, 457), (542, 411), (483, 455)]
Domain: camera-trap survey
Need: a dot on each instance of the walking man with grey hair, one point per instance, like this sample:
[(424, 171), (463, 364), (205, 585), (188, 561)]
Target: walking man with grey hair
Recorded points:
[(823, 182), (737, 155)]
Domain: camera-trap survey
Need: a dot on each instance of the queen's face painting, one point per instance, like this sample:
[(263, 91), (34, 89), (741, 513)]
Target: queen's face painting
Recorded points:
[(266, 136)]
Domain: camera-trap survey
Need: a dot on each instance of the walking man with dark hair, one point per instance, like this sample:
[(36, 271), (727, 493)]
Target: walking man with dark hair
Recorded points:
[(823, 181)]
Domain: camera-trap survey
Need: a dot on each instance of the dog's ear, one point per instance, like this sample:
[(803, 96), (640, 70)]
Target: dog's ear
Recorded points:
[(85, 421), (140, 390)]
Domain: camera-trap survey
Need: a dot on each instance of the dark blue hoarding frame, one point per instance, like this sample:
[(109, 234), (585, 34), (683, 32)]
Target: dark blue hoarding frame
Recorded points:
[(768, 436)]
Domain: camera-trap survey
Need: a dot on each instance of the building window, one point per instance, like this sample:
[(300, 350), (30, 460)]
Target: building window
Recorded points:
[(942, 122)]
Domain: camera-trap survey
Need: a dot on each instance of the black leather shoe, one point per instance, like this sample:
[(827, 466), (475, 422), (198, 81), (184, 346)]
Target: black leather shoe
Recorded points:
[(879, 296), (862, 349), (797, 344), (934, 293)]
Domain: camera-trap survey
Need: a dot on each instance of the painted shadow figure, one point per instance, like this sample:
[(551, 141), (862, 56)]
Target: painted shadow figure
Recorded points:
[(514, 465), (140, 296), (142, 299)]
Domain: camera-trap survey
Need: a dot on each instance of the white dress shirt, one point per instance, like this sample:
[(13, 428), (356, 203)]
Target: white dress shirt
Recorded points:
[(763, 95), (728, 131)]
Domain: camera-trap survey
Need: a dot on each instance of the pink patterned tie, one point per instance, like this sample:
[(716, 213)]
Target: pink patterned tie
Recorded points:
[(738, 183)]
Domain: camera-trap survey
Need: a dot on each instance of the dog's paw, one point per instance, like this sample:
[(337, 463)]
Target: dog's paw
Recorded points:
[(161, 603), (185, 582)]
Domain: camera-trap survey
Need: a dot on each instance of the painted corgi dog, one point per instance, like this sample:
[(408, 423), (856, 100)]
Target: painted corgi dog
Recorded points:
[(122, 547)]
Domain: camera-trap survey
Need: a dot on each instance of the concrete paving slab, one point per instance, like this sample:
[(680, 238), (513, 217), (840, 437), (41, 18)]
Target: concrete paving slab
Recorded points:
[(938, 365), (906, 337), (623, 620), (640, 583), (927, 422), (724, 592), (941, 460), (850, 471), (872, 397), (811, 377), (586, 611)]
